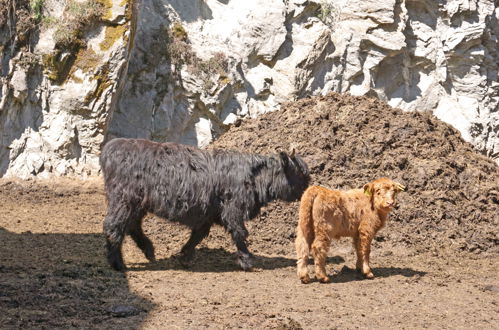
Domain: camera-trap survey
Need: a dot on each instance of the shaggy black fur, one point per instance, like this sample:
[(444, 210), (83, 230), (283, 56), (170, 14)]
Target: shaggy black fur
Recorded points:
[(191, 186)]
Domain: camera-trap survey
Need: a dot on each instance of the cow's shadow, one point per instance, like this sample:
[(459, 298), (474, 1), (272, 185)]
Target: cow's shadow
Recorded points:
[(219, 261)]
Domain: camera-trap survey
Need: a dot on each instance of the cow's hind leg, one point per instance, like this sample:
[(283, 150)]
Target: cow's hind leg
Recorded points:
[(118, 219), (142, 241), (197, 235)]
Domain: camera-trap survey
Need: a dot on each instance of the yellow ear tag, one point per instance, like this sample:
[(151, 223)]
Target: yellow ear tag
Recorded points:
[(367, 192), (400, 187)]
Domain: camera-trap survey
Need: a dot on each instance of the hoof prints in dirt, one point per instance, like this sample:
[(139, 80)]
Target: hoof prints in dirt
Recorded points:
[(452, 198), (61, 281)]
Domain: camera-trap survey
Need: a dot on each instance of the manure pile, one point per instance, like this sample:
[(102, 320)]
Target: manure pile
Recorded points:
[(452, 197)]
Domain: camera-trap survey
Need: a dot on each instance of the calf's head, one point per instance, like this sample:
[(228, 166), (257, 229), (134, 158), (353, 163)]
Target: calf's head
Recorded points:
[(383, 193)]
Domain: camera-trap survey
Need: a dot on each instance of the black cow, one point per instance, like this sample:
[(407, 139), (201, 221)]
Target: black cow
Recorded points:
[(194, 187)]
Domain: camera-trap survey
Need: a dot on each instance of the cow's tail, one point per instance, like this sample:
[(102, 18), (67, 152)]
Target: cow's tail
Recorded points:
[(305, 233)]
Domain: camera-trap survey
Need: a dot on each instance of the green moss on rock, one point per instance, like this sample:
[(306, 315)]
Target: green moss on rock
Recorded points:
[(112, 34)]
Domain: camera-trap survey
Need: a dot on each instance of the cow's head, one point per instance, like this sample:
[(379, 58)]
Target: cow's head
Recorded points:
[(296, 173)]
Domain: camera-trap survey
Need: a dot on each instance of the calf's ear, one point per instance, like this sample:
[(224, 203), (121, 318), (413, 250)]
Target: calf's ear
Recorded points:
[(368, 189)]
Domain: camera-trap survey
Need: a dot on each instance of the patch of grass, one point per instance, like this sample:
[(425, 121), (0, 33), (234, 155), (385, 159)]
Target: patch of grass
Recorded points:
[(77, 16), (37, 9), (178, 32), (28, 61), (103, 82), (19, 19), (25, 24), (181, 53), (112, 34), (49, 21), (107, 5), (207, 69), (329, 12), (87, 60), (57, 65)]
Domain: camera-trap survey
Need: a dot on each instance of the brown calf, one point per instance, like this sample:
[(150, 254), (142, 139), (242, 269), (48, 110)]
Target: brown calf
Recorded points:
[(326, 214)]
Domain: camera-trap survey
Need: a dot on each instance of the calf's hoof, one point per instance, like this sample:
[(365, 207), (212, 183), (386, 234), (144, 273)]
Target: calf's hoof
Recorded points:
[(305, 279), (325, 279), (369, 275)]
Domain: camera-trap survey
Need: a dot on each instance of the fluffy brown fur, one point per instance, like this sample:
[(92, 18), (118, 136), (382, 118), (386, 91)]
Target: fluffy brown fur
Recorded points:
[(326, 214)]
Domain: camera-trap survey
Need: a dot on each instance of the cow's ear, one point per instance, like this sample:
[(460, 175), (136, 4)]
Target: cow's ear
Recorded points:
[(284, 156)]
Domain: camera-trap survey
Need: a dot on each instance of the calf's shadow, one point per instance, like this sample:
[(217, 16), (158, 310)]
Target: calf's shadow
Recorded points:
[(347, 274)]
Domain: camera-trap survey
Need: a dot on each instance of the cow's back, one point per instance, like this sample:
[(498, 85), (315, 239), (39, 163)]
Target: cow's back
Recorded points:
[(167, 179)]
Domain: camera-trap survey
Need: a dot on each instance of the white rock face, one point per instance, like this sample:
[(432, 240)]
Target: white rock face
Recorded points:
[(416, 55), (439, 56), (56, 128)]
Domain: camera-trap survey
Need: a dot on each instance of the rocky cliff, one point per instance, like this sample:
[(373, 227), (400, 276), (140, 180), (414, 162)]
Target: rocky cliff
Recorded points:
[(183, 70)]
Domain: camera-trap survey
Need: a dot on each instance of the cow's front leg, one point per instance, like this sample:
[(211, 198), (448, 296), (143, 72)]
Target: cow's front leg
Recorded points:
[(239, 235)]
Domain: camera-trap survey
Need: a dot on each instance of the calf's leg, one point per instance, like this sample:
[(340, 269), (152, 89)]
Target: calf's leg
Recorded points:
[(363, 248), (302, 251), (320, 247)]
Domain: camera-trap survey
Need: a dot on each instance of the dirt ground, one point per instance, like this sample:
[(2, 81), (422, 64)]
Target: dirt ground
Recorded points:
[(53, 275), (436, 262)]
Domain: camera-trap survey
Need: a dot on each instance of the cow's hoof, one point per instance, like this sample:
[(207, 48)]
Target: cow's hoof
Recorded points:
[(118, 266), (246, 267), (116, 262), (246, 263), (150, 256), (185, 258)]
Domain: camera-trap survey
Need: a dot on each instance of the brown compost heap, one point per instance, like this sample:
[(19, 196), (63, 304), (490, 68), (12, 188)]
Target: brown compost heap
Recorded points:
[(452, 197)]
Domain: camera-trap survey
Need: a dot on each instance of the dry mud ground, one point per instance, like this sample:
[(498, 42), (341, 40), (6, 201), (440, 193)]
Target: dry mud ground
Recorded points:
[(53, 275)]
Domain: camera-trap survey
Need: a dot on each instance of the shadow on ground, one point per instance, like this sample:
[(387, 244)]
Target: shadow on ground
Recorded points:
[(219, 261), (60, 281), (347, 274)]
